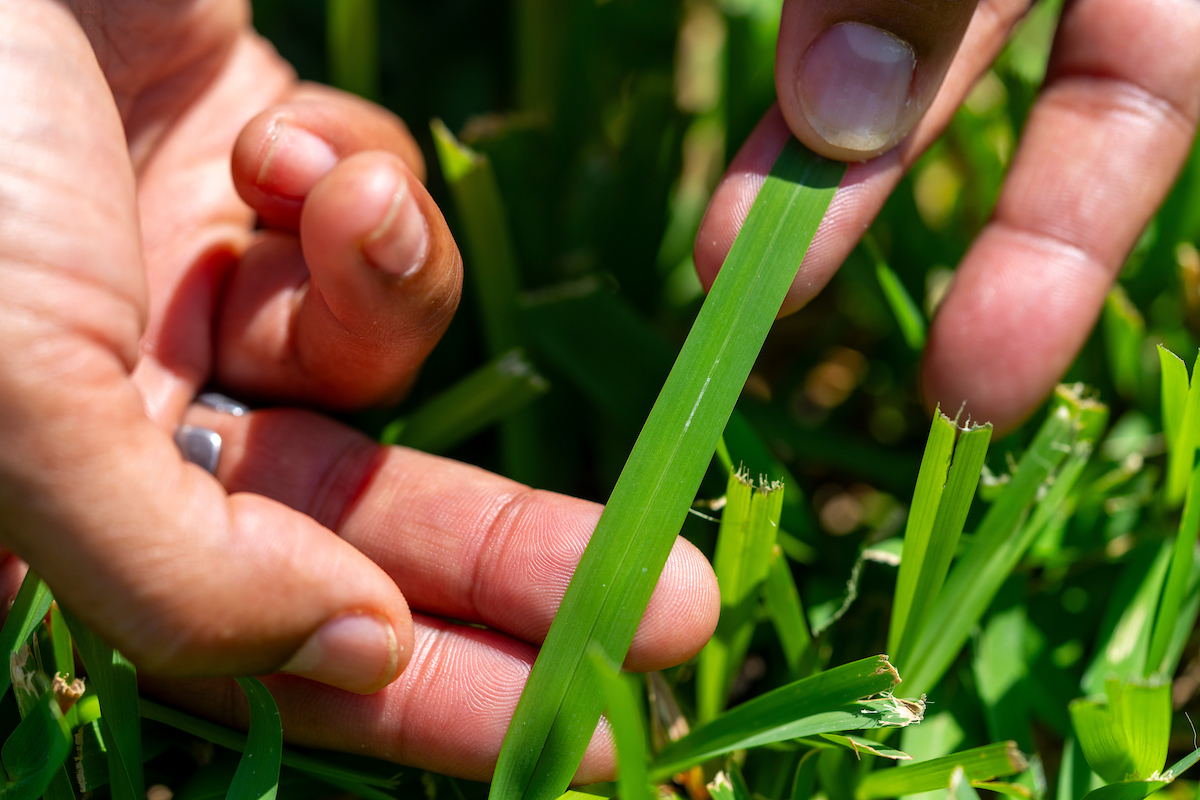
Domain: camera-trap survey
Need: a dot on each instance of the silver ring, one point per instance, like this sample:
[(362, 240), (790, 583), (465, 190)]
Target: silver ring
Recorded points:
[(202, 446)]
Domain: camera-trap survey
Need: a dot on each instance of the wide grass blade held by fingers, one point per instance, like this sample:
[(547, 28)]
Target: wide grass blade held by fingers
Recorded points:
[(607, 596)]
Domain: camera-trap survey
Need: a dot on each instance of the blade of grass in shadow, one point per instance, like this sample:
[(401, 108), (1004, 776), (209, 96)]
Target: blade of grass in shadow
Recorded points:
[(492, 263), (859, 745), (1004, 534), (352, 30), (483, 398), (828, 702), (34, 753), (257, 775), (115, 682), (782, 600), (360, 782), (28, 609), (1124, 333), (743, 555), (904, 308), (926, 497), (621, 710), (932, 562), (805, 780), (64, 650), (979, 764), (1178, 576), (607, 595)]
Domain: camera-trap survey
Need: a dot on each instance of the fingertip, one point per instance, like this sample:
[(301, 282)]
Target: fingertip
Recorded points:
[(359, 651)]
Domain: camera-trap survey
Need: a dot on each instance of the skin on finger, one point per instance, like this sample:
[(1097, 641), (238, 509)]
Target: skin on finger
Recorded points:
[(345, 317), (866, 185), (282, 153), (1099, 153), (448, 712), (459, 541), (853, 78)]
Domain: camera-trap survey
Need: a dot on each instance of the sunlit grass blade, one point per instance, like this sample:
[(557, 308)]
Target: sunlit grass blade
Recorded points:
[(478, 401), (782, 601), (1124, 736), (28, 609), (1140, 789), (607, 596), (115, 681), (34, 753), (859, 745), (823, 703), (927, 495), (742, 560), (1181, 447), (357, 781), (1174, 393), (979, 764), (907, 312), (257, 775), (1002, 538), (932, 563), (621, 710), (1179, 575), (353, 43)]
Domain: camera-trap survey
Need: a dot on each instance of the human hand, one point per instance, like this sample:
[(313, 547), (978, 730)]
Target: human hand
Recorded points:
[(134, 276), (1110, 132)]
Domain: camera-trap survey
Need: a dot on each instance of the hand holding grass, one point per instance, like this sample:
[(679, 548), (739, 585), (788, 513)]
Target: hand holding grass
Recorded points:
[(1115, 121), (134, 276)]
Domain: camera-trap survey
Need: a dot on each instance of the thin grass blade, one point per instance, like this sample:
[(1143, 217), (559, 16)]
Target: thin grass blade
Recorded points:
[(607, 596), (621, 709), (257, 775), (115, 682), (1174, 393), (904, 308), (860, 745), (1181, 451), (823, 703), (782, 601), (979, 764), (353, 42), (478, 401), (1124, 333), (960, 786), (1178, 576)]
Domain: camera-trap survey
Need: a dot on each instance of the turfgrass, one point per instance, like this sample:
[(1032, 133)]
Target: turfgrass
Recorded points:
[(1045, 611)]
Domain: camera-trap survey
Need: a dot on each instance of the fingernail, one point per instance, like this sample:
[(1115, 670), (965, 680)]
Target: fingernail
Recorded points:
[(400, 243), (854, 85), (355, 652), (200, 446), (295, 161)]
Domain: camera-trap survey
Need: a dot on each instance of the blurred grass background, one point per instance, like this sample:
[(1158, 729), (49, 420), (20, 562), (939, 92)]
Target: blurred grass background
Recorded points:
[(607, 124)]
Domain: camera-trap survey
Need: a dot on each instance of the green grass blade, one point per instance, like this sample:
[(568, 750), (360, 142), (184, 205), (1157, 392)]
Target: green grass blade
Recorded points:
[(1001, 539), (927, 496), (728, 786), (1126, 790), (557, 712), (979, 764), (1184, 764), (860, 745), (64, 650), (1174, 393), (115, 681), (960, 786), (823, 703), (621, 710), (1101, 739), (934, 561), (1181, 449), (34, 753), (1124, 333), (1178, 576), (353, 42), (907, 312), (742, 560), (782, 601), (335, 774), (28, 609), (257, 775), (478, 401)]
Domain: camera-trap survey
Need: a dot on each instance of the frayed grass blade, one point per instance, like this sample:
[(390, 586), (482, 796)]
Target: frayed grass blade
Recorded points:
[(980, 764), (28, 609), (257, 775), (115, 682), (823, 703), (607, 596)]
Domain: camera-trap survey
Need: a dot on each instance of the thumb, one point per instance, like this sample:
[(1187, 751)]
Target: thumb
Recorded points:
[(853, 78)]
